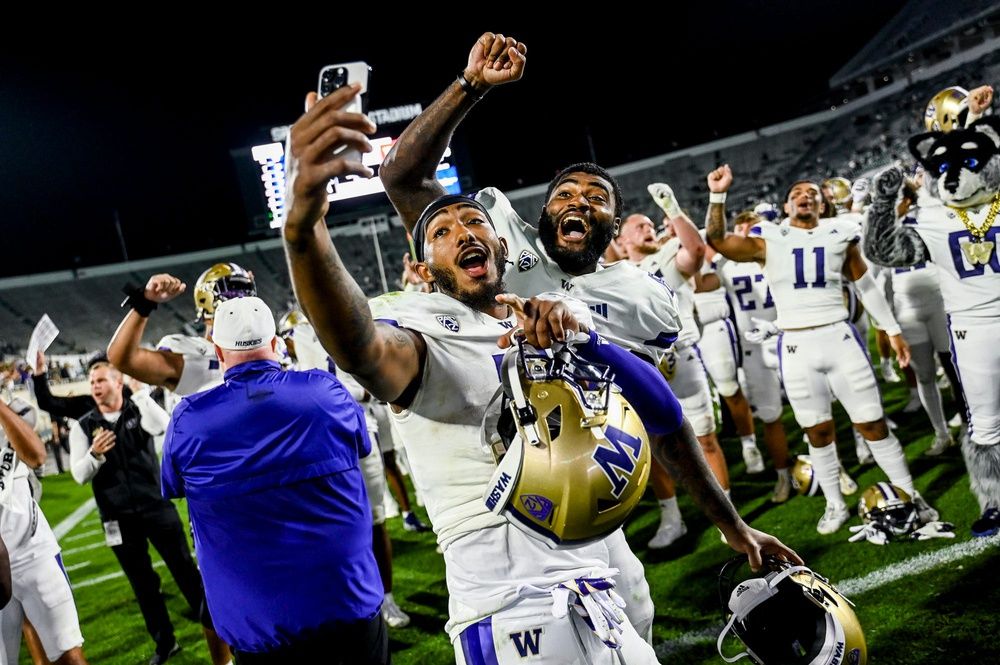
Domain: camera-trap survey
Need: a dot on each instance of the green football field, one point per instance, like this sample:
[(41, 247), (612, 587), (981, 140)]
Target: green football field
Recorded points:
[(915, 608)]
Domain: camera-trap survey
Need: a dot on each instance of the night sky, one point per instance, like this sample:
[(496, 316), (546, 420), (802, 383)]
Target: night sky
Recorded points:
[(97, 125)]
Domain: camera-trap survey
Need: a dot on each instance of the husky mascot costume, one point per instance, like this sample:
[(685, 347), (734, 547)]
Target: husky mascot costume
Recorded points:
[(956, 227)]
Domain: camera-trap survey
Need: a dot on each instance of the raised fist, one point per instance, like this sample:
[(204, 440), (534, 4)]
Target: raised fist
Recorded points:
[(163, 288), (888, 182)]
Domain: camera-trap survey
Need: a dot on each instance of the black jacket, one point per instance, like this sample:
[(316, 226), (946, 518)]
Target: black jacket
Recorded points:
[(129, 480)]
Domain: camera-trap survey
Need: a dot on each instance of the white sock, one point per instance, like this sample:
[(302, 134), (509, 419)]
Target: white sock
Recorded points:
[(389, 598), (886, 363), (826, 466), (749, 441), (888, 454), (787, 473), (669, 512), (914, 393), (930, 397), (406, 513)]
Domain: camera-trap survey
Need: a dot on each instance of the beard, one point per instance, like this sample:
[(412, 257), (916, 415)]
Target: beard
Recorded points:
[(479, 298), (574, 262)]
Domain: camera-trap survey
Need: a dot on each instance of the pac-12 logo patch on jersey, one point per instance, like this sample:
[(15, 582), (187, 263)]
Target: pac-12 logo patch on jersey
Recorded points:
[(526, 261), (448, 321)]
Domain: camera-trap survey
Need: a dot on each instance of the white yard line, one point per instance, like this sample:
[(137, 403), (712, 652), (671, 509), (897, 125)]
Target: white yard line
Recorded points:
[(81, 536), (74, 518), (916, 565), (82, 548), (855, 586), (104, 578), (77, 566)]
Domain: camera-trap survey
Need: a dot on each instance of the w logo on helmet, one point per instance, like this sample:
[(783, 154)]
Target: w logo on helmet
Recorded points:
[(618, 463)]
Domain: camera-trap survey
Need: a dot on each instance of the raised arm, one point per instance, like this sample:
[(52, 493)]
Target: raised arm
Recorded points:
[(409, 170), (691, 255), (875, 302), (706, 281), (731, 245), (886, 242), (22, 437), (385, 360), (157, 368), (57, 407)]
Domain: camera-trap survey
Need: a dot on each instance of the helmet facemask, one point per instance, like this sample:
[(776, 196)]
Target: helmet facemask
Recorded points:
[(789, 615)]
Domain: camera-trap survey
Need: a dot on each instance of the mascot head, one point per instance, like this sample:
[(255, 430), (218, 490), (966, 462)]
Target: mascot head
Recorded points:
[(963, 165)]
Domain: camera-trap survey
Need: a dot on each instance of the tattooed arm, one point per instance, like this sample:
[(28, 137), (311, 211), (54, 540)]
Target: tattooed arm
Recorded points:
[(731, 245), (680, 453), (409, 171), (886, 242), (385, 360)]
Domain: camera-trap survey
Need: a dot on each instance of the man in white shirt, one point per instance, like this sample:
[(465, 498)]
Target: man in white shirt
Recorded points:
[(113, 448)]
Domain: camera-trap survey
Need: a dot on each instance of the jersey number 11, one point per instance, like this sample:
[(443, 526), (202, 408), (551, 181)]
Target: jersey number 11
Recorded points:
[(800, 268)]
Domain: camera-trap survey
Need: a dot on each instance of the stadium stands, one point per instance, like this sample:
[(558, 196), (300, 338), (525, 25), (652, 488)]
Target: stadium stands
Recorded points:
[(851, 140)]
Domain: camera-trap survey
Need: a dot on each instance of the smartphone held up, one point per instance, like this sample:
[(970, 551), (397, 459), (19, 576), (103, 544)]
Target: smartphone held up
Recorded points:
[(334, 77)]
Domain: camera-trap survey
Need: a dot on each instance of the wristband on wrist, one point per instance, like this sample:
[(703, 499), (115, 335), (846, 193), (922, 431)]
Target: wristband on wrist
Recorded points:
[(467, 86), (135, 297), (717, 197)]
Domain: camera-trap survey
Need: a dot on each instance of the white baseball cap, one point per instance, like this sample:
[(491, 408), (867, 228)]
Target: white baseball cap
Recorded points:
[(243, 324)]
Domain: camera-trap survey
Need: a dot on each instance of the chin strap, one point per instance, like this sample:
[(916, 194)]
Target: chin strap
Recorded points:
[(526, 415), (747, 596)]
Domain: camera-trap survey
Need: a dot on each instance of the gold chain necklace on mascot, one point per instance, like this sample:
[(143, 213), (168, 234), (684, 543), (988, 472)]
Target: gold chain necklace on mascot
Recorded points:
[(979, 250)]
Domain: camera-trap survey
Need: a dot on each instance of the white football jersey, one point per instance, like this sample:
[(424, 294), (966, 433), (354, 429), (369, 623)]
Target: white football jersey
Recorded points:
[(804, 268), (533, 272), (917, 287), (748, 292), (23, 526), (630, 309), (972, 290), (663, 264), (201, 367), (450, 466), (309, 353)]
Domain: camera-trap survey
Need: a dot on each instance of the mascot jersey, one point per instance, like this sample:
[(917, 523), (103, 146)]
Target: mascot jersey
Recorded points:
[(972, 290)]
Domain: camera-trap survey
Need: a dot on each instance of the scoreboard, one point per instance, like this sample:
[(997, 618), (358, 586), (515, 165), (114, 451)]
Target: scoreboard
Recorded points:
[(261, 172)]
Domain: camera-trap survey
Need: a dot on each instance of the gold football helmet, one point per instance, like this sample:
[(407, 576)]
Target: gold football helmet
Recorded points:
[(804, 476), (947, 110), (839, 189), (221, 282), (791, 615), (889, 509), (288, 322), (577, 457)]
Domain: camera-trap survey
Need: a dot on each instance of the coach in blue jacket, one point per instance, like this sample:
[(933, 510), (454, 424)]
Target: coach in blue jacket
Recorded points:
[(268, 462)]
